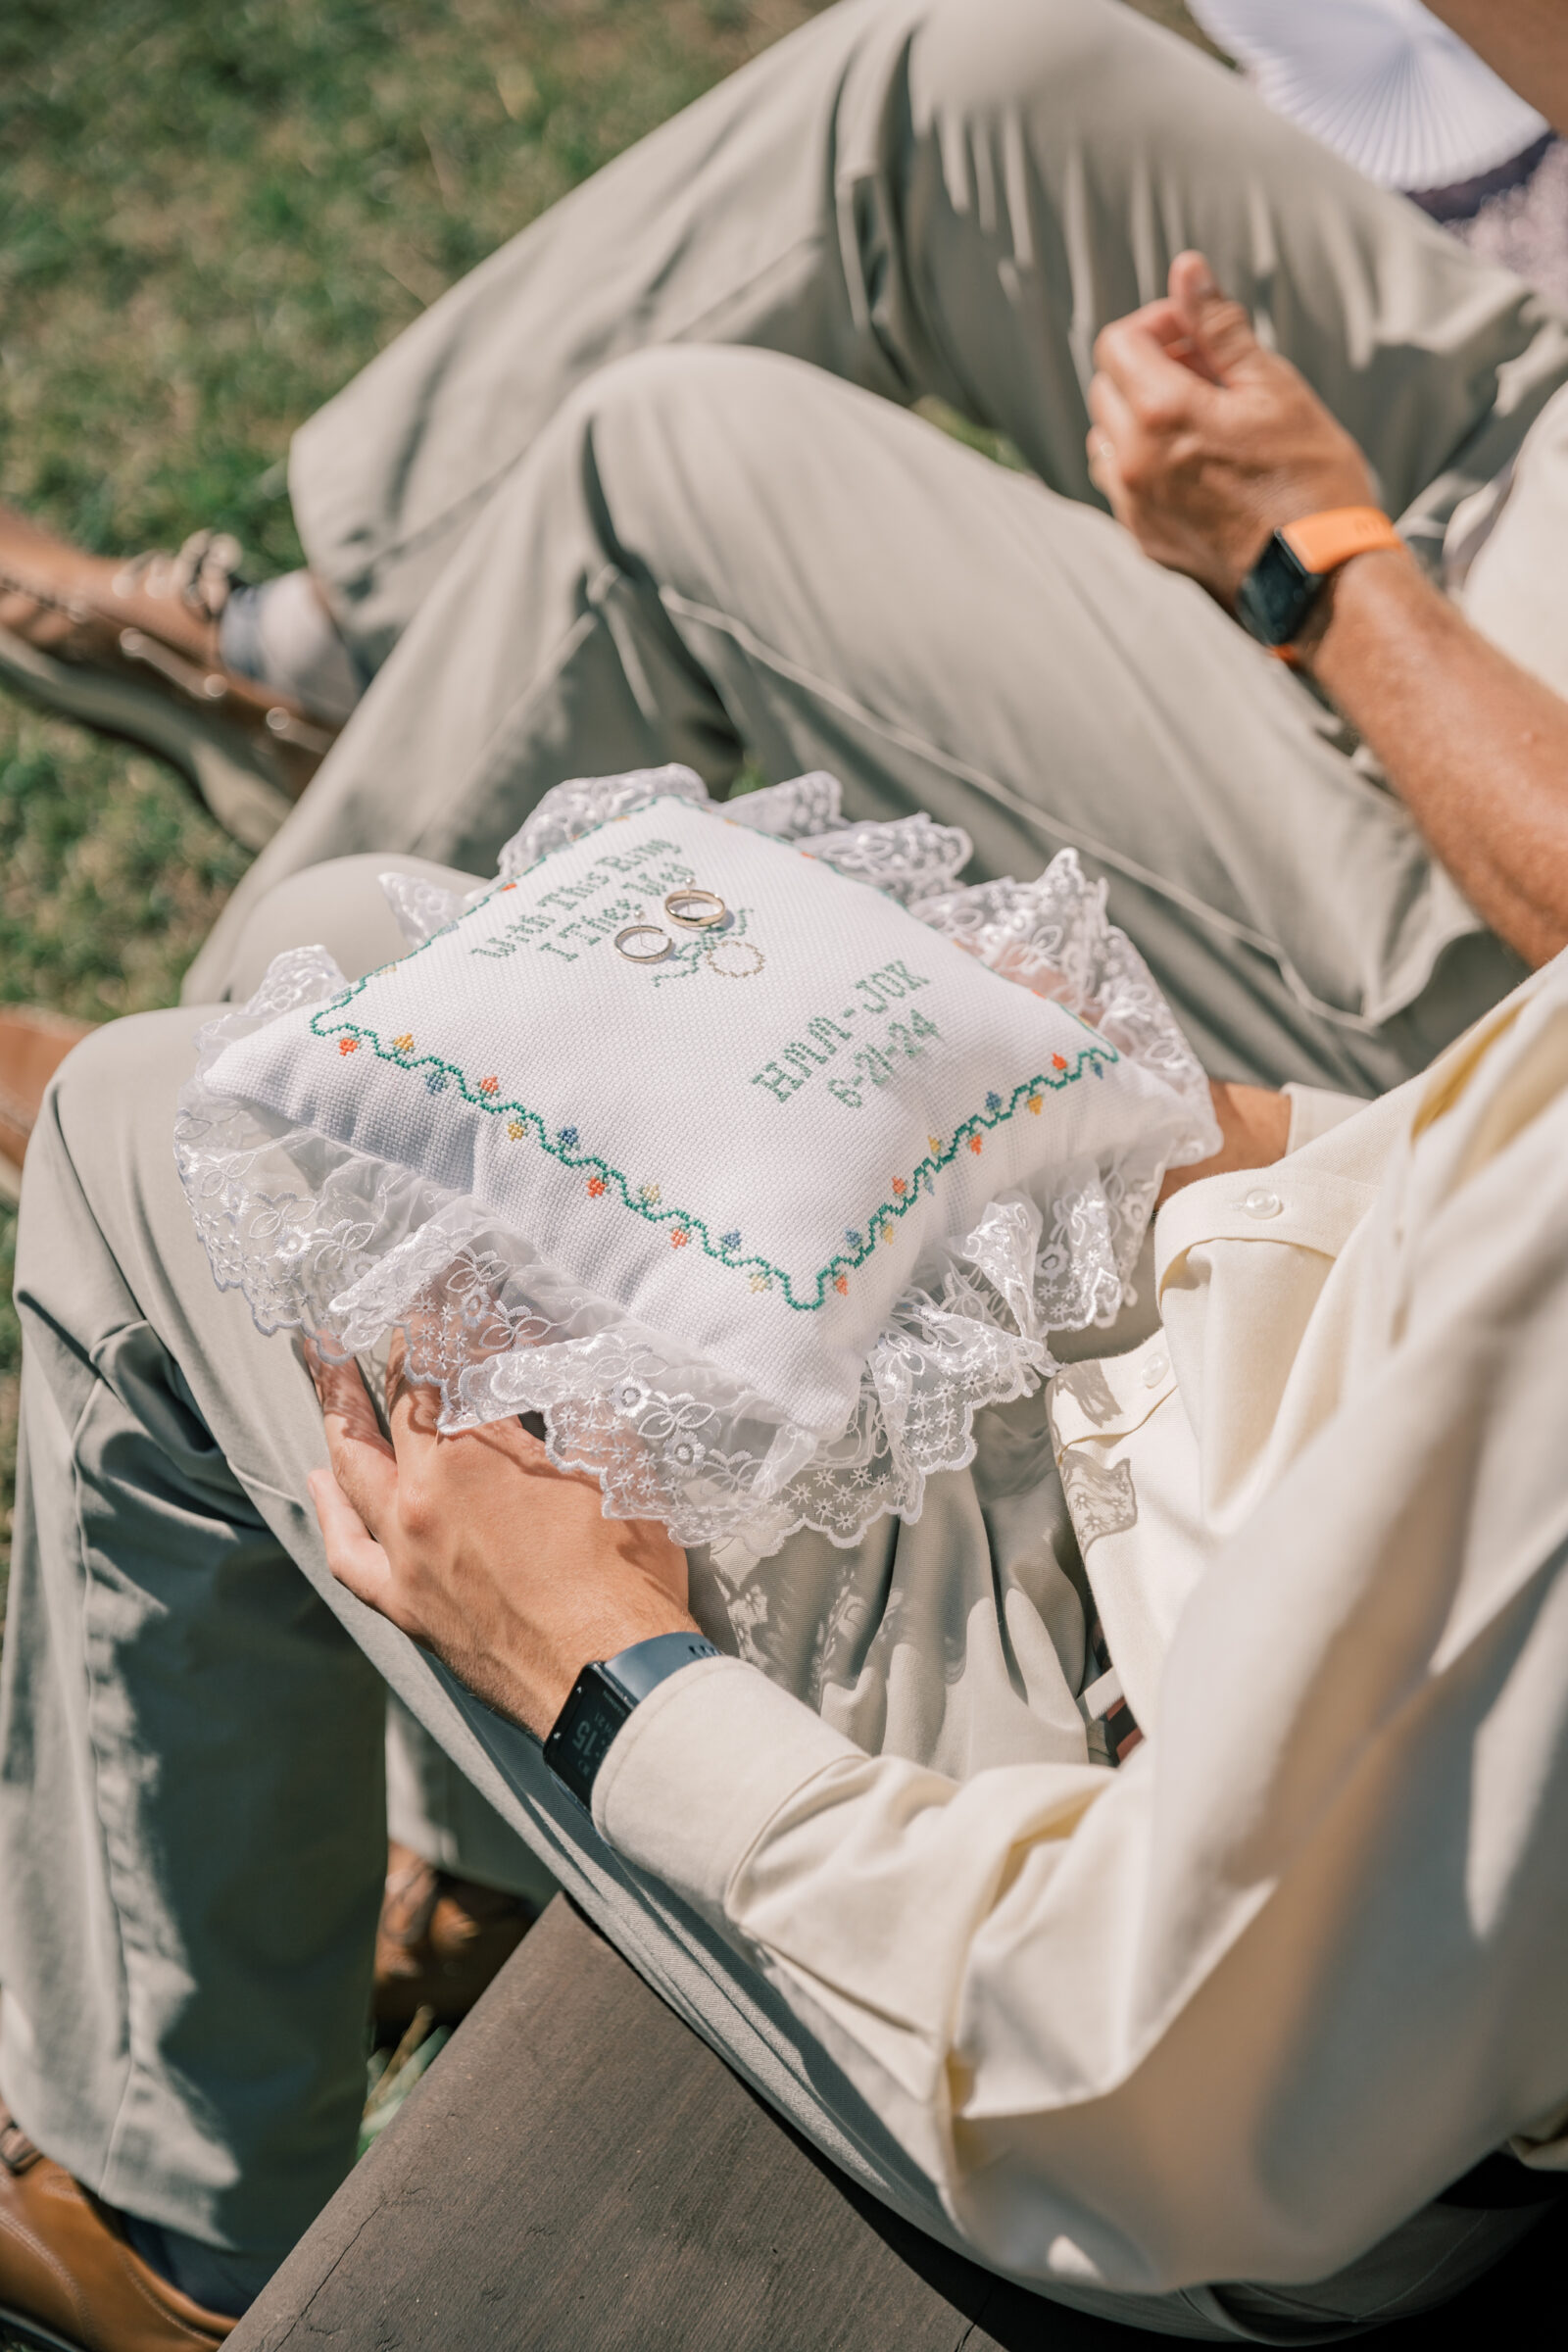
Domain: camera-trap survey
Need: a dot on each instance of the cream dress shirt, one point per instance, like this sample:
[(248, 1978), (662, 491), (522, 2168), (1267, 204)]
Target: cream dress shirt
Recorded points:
[(1237, 2008)]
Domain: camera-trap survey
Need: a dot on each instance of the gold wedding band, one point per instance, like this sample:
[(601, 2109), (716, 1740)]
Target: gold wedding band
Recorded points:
[(666, 947), (696, 909)]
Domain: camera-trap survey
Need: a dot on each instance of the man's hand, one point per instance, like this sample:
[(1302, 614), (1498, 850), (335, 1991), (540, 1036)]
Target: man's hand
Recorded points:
[(1203, 442), (481, 1550)]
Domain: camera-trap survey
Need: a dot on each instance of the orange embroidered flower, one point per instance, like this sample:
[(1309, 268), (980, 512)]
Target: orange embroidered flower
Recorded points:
[(679, 1238), (1034, 1105), (489, 1086), (505, 887), (977, 1142), (516, 1130), (596, 1186), (935, 1142), (1058, 1061), (887, 1233), (899, 1188), (348, 1045), (404, 1043), (840, 1283)]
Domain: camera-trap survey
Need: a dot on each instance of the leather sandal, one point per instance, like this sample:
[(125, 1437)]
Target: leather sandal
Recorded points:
[(69, 2279), (441, 1943), (32, 1046), (131, 648)]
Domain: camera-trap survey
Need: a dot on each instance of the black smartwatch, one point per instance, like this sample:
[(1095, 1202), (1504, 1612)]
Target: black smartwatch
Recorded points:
[(603, 1696), (1275, 600)]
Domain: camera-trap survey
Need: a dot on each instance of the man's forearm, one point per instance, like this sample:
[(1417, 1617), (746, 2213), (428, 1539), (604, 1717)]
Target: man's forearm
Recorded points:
[(1204, 442), (1475, 747)]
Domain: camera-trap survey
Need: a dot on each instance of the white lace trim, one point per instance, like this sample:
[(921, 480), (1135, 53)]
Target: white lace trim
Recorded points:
[(347, 1249), (422, 909)]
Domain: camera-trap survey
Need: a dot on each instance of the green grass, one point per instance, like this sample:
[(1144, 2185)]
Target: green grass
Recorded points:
[(210, 217)]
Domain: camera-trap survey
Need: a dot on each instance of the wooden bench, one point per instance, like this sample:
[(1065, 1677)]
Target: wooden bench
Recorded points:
[(578, 2172)]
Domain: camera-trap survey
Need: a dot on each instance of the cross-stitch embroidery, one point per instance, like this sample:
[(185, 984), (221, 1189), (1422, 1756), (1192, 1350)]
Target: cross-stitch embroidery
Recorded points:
[(565, 1199), (571, 925), (874, 995), (693, 956), (728, 959), (645, 1199), (871, 1064)]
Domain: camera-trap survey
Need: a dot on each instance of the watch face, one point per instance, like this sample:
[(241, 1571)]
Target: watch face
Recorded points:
[(605, 1695), (1277, 595), (589, 1736), (584, 1731)]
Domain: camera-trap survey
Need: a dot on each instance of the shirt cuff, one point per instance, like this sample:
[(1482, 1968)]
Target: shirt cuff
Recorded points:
[(697, 1771), (1314, 1110)]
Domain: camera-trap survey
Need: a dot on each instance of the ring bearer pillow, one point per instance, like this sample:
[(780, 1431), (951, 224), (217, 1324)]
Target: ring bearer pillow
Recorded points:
[(739, 1143)]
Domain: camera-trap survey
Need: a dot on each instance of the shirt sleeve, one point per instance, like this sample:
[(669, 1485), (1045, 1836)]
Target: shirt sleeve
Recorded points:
[(1238, 2008), (1315, 1111)]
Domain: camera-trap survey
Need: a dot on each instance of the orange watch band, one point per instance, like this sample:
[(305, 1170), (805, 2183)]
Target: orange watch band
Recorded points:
[(1323, 542)]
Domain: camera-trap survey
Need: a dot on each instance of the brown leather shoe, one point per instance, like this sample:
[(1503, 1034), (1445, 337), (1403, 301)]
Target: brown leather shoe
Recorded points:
[(69, 2279), (131, 648), (32, 1046), (441, 1940)]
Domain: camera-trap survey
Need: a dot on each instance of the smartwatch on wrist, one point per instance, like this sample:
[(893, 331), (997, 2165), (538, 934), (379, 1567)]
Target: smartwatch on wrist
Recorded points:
[(1278, 594), (602, 1699)]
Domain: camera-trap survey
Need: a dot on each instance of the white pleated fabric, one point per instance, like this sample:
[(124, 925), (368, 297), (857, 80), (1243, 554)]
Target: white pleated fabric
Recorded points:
[(1380, 81)]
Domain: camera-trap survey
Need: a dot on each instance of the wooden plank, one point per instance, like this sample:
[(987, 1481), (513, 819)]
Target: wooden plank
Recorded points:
[(577, 2170)]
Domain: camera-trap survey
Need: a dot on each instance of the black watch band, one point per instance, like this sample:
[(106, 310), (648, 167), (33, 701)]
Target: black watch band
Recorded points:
[(1278, 594), (602, 1699)]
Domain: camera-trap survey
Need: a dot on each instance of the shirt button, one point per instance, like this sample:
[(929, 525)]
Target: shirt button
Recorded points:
[(1262, 1204), (1156, 1370)]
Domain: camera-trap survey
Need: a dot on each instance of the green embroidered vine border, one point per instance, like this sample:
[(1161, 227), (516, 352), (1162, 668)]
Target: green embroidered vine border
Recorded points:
[(655, 1213), (1095, 1056)]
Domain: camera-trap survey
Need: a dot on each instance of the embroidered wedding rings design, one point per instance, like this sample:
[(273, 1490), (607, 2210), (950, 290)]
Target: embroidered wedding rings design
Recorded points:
[(693, 910), (732, 948)]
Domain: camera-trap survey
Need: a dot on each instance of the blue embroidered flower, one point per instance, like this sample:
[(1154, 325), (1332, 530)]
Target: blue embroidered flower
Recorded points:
[(1099, 1068), (992, 1104), (435, 1082), (568, 1139), (852, 1237), (729, 1241)]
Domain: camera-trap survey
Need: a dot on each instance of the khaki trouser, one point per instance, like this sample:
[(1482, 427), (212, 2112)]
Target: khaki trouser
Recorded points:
[(595, 510), (191, 1825), (562, 567)]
